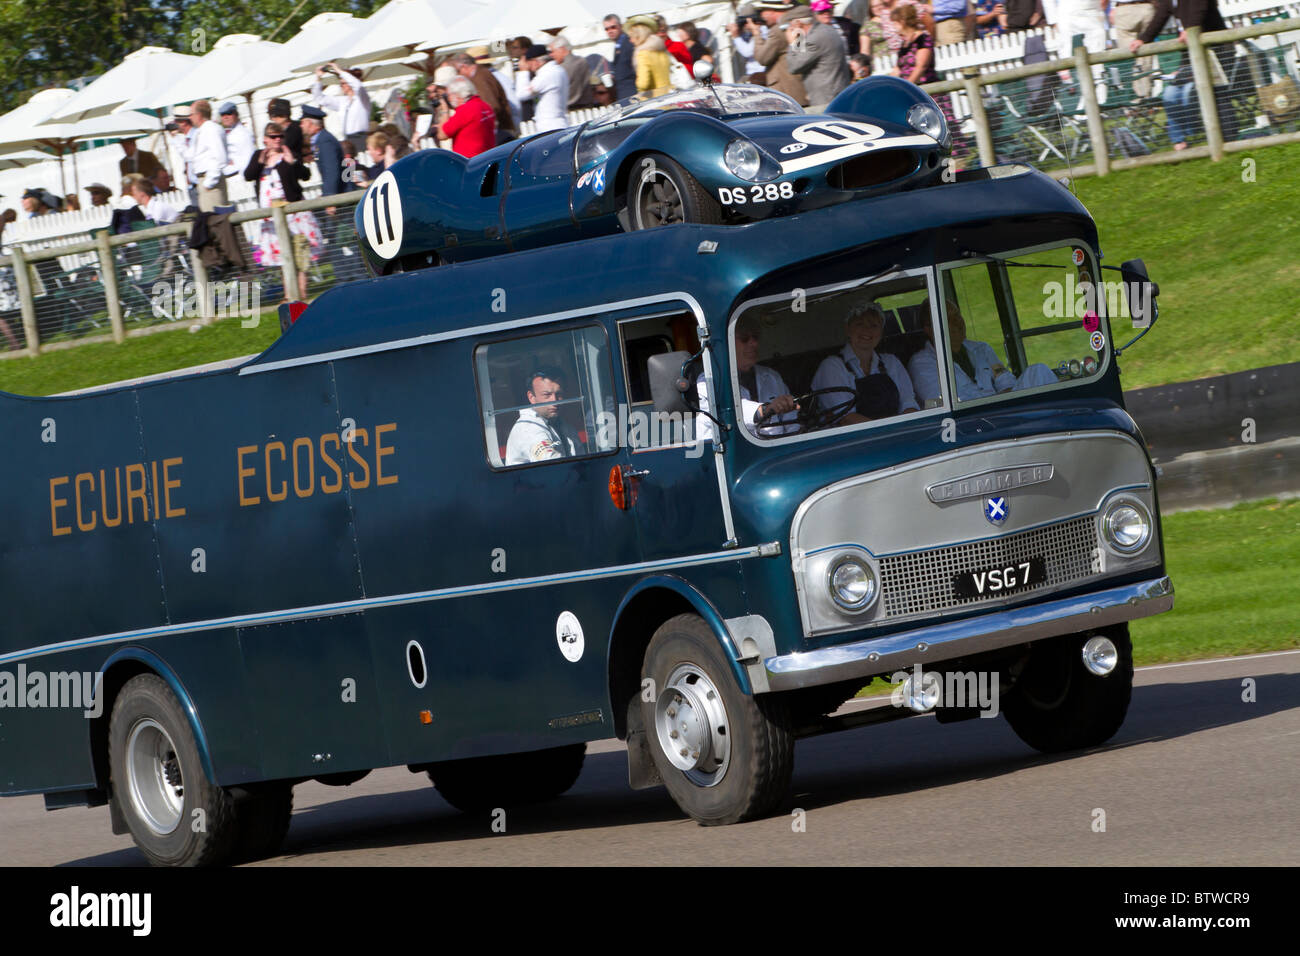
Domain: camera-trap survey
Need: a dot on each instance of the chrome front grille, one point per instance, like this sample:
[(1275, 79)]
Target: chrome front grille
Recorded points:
[(922, 581)]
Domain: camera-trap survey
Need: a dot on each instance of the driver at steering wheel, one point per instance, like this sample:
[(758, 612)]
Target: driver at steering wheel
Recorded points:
[(766, 407), (877, 381)]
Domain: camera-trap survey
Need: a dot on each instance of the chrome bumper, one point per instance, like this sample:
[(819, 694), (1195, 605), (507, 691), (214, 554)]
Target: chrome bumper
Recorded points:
[(987, 632)]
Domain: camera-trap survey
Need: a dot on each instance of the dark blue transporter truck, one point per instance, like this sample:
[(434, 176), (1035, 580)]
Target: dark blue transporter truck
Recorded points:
[(466, 519)]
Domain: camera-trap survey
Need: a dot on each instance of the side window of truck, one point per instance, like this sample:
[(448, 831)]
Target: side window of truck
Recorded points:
[(543, 397), (656, 342)]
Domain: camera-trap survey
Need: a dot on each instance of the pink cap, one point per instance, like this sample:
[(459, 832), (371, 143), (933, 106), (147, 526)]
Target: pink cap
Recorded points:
[(819, 5)]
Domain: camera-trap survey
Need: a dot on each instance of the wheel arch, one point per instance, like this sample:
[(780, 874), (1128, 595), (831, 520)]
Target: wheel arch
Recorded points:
[(683, 137), (647, 605), (123, 665)]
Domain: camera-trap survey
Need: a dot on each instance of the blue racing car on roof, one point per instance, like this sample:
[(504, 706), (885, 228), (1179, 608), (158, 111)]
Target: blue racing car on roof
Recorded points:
[(714, 154)]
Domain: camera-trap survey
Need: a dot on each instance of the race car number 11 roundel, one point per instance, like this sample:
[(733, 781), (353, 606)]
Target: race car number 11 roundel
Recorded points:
[(382, 216)]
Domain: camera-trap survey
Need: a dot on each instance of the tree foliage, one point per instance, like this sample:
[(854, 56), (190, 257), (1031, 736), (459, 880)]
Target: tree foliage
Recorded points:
[(58, 42)]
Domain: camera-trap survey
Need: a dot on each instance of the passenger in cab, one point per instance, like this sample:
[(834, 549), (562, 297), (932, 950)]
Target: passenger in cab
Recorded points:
[(540, 434), (879, 380), (977, 369), (767, 408)]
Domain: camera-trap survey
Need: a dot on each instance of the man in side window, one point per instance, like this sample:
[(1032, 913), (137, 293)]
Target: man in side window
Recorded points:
[(539, 434)]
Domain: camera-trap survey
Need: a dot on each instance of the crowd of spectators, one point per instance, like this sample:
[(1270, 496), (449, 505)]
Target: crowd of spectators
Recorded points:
[(478, 99)]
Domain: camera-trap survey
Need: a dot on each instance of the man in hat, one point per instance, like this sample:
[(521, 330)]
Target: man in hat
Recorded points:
[(354, 103), (208, 157), (326, 149), (817, 55), (136, 160), (239, 141), (772, 48), (99, 194), (39, 202), (623, 68), (182, 129), (278, 111), (489, 90), (544, 80)]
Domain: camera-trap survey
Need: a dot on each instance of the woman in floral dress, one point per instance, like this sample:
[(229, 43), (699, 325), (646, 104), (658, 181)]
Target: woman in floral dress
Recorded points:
[(916, 62), (279, 175)]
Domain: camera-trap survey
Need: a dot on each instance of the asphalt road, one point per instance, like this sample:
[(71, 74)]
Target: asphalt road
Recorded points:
[(1196, 776)]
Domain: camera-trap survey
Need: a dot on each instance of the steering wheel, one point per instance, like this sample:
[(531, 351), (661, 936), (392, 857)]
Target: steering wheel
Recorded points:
[(811, 417)]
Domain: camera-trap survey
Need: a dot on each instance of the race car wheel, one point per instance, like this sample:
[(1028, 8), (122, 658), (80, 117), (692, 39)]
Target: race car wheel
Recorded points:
[(509, 780), (1057, 704), (661, 193), (175, 814), (724, 756)]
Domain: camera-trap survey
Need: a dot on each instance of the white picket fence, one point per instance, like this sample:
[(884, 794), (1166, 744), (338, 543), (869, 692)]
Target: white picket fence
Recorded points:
[(1008, 49)]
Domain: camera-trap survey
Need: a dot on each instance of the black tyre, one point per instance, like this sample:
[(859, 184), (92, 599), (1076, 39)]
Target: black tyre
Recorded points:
[(262, 821), (175, 814), (1057, 704), (724, 756), (509, 780), (661, 192)]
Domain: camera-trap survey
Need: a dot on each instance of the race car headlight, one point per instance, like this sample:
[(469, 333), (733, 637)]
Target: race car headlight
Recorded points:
[(852, 583), (743, 159), (1126, 526), (924, 118)]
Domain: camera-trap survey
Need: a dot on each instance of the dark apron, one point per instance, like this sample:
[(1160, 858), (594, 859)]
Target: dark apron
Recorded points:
[(877, 394)]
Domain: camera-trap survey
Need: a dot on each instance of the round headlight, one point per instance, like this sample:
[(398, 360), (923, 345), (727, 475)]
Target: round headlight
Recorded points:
[(743, 159), (924, 118), (1127, 526), (852, 583)]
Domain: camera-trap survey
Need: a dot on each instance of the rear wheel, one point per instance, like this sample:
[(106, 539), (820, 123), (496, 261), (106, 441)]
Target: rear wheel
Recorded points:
[(1057, 704), (724, 756), (661, 192), (509, 780), (175, 814)]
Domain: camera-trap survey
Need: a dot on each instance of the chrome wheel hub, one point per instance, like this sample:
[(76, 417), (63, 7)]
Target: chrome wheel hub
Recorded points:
[(691, 726), (154, 780)]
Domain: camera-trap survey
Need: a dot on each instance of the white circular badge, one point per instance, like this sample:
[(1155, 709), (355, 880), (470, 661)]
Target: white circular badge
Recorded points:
[(1097, 341), (382, 216), (568, 634), (836, 133)]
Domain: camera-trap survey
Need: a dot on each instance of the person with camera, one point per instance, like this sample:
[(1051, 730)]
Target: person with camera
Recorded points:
[(279, 175), (745, 32), (353, 103)]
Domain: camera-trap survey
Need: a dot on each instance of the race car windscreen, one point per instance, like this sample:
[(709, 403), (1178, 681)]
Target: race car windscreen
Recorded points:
[(842, 354), (718, 100), (1021, 322)]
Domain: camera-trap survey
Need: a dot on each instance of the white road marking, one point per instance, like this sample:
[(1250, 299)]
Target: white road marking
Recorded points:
[(1218, 660)]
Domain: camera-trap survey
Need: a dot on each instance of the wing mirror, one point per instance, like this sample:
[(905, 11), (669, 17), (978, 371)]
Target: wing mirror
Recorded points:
[(1140, 293), (703, 70)]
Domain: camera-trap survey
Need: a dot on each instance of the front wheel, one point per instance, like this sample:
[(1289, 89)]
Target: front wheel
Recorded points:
[(1057, 704), (175, 814), (661, 192), (724, 756)]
